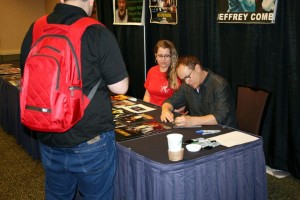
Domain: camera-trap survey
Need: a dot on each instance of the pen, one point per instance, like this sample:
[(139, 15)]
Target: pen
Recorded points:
[(183, 114), (207, 132)]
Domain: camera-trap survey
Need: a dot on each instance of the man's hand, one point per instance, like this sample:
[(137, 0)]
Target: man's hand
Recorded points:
[(183, 120)]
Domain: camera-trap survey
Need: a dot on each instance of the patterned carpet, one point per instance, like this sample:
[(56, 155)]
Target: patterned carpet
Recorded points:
[(21, 178)]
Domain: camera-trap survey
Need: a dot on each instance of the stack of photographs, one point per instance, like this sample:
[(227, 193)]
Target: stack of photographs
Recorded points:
[(13, 79), (132, 120), (10, 74), (6, 69)]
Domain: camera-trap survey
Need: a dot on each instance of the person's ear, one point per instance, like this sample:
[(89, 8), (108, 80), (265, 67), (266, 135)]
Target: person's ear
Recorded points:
[(197, 67), (92, 2), (62, 1)]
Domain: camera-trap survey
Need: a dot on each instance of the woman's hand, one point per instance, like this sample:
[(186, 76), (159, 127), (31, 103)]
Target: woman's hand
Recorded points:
[(166, 116)]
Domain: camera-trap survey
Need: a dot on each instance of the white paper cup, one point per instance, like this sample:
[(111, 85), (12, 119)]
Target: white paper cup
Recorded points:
[(174, 142), (176, 156)]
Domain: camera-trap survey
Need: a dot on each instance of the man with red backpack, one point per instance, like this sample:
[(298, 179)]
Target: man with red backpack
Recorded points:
[(84, 156)]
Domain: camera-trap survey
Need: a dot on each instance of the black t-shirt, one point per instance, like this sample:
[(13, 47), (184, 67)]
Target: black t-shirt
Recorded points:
[(101, 59)]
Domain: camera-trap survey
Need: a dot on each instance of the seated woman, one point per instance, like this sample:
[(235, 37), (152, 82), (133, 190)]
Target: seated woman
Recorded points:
[(162, 80)]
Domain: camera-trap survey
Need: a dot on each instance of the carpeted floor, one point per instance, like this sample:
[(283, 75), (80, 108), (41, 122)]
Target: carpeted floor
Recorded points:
[(287, 188), (21, 178)]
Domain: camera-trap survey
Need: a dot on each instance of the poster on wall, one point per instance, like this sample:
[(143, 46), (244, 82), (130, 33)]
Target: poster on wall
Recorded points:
[(247, 11), (128, 12), (163, 11)]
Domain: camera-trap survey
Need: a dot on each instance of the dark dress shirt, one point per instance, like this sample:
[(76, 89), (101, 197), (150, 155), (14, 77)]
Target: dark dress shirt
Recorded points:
[(213, 97)]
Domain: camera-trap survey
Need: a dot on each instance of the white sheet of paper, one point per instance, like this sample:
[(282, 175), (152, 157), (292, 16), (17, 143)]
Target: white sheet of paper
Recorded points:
[(234, 138)]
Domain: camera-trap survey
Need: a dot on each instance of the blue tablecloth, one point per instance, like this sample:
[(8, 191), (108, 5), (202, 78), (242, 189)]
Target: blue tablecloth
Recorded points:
[(226, 174), (10, 119), (144, 172)]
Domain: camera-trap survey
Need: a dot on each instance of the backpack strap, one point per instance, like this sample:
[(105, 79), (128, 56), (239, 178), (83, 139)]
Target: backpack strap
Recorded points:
[(93, 91), (74, 30), (78, 27), (38, 28), (91, 94)]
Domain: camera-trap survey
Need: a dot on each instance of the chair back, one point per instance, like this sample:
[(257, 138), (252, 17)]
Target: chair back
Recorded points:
[(251, 106)]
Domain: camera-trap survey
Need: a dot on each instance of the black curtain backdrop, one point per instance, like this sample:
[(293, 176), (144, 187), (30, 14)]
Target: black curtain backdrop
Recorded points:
[(263, 55)]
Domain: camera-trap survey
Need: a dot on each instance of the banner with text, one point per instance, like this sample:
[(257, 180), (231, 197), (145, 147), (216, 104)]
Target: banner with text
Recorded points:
[(163, 11), (247, 11), (128, 12)]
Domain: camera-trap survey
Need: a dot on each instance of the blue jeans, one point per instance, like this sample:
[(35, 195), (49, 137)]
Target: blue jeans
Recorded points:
[(89, 167)]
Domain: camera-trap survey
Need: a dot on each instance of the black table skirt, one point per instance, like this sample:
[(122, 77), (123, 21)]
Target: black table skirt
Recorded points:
[(10, 119)]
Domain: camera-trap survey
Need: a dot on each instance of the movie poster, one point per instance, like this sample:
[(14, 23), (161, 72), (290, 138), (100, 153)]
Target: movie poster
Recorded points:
[(247, 11), (128, 12), (163, 11)]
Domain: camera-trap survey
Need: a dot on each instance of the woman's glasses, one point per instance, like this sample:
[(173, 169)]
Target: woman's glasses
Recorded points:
[(160, 56)]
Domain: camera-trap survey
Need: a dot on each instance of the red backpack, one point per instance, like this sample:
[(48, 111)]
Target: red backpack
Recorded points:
[(51, 96)]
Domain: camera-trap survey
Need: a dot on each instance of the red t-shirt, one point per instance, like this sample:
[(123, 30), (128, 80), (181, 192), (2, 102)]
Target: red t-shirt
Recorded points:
[(157, 86)]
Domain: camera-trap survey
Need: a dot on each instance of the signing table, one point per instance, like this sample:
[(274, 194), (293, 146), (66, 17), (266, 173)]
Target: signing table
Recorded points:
[(145, 172)]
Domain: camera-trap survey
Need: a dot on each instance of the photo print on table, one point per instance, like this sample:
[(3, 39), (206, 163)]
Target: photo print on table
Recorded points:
[(118, 112), (122, 103), (118, 97), (134, 118), (119, 124), (138, 108), (140, 129)]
